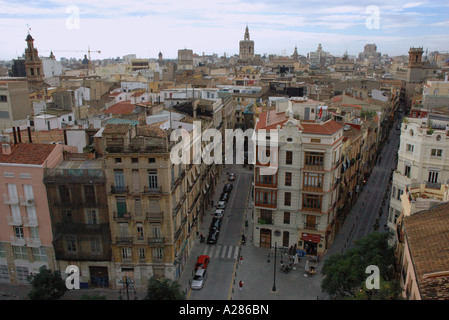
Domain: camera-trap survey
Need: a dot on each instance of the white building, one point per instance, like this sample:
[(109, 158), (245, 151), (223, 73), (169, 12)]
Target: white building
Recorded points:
[(423, 156)]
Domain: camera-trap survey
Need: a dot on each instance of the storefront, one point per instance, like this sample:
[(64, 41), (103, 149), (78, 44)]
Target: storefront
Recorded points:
[(310, 243)]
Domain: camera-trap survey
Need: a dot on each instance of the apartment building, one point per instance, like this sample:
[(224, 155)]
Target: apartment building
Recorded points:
[(422, 157), (296, 206), (155, 206), (15, 103), (26, 241), (76, 190)]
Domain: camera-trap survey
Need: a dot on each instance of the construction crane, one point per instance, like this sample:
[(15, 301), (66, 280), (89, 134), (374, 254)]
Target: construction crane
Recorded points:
[(88, 52)]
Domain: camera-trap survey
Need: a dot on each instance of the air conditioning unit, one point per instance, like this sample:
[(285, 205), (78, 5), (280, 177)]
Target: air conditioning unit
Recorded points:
[(30, 201)]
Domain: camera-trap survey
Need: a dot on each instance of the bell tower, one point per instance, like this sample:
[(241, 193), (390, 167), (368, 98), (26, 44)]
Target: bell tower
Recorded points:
[(415, 65), (246, 52), (33, 65)]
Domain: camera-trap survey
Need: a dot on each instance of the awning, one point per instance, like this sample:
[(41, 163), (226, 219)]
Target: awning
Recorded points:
[(311, 237)]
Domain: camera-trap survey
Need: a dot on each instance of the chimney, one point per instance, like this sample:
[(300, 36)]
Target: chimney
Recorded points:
[(14, 133), (6, 149), (29, 135), (18, 134)]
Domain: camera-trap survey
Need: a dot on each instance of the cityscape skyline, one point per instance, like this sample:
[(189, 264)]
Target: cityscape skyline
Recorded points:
[(145, 29)]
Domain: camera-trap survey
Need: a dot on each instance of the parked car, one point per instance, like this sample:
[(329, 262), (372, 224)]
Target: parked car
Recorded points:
[(221, 205), (231, 177), (215, 224), (198, 279), (202, 262), (228, 187), (224, 196), (219, 213), (213, 236)]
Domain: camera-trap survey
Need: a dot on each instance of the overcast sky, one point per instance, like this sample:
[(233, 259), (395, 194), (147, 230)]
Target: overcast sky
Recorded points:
[(145, 27)]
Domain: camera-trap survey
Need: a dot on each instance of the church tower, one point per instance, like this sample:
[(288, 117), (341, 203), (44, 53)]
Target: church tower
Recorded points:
[(295, 54), (33, 65), (246, 52)]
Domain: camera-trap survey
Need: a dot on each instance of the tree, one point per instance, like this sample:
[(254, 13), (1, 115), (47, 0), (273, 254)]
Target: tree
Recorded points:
[(164, 289), (46, 285), (345, 273)]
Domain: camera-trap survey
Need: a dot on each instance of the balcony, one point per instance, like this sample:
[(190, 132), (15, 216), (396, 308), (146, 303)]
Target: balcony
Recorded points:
[(314, 167), (13, 221), (33, 242), (265, 204), (30, 222), (124, 240), (155, 216), (9, 200), (119, 189), (265, 221), (310, 226), (27, 202), (156, 241), (152, 190), (18, 241), (122, 217)]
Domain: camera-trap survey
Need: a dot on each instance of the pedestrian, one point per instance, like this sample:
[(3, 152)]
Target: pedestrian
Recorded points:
[(240, 285), (241, 260)]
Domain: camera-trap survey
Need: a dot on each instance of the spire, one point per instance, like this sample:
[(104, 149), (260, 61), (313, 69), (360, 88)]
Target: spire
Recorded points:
[(246, 33)]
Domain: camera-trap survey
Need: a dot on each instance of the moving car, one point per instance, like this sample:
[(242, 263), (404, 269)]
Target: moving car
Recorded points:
[(231, 177), (202, 262), (219, 213), (213, 236), (221, 205), (198, 279)]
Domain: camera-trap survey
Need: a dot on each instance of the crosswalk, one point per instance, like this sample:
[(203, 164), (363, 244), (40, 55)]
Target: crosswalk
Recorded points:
[(226, 252)]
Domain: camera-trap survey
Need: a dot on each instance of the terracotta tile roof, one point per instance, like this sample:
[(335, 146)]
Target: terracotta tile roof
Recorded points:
[(27, 153), (114, 94), (114, 128), (427, 234), (270, 120), (123, 107)]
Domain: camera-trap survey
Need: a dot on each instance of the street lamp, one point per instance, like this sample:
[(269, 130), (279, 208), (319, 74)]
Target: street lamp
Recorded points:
[(274, 267), (126, 283)]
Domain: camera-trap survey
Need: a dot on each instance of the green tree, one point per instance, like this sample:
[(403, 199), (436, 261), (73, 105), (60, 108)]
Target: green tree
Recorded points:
[(46, 285), (345, 273), (164, 289)]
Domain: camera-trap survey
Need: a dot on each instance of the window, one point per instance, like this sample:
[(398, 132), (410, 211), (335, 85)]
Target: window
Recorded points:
[(118, 160), (152, 179), (91, 216), (95, 245), (409, 147), (2, 251), (121, 206), (312, 202), (433, 177), (315, 140), (34, 233), (67, 215), (3, 98), (70, 244), (288, 178), (151, 160), (436, 152), (4, 274), (286, 217), (40, 254), (134, 160), (22, 272), (139, 227), (119, 178), (141, 253), (314, 160), (400, 192), (20, 253), (266, 215), (126, 253), (158, 254), (407, 171), (313, 181), (18, 232), (288, 199), (288, 157)]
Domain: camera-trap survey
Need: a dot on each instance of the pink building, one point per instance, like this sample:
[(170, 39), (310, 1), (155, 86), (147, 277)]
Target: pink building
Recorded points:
[(25, 226)]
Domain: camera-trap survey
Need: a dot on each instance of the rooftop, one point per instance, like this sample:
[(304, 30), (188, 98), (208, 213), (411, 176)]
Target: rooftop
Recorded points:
[(27, 153), (427, 235)]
